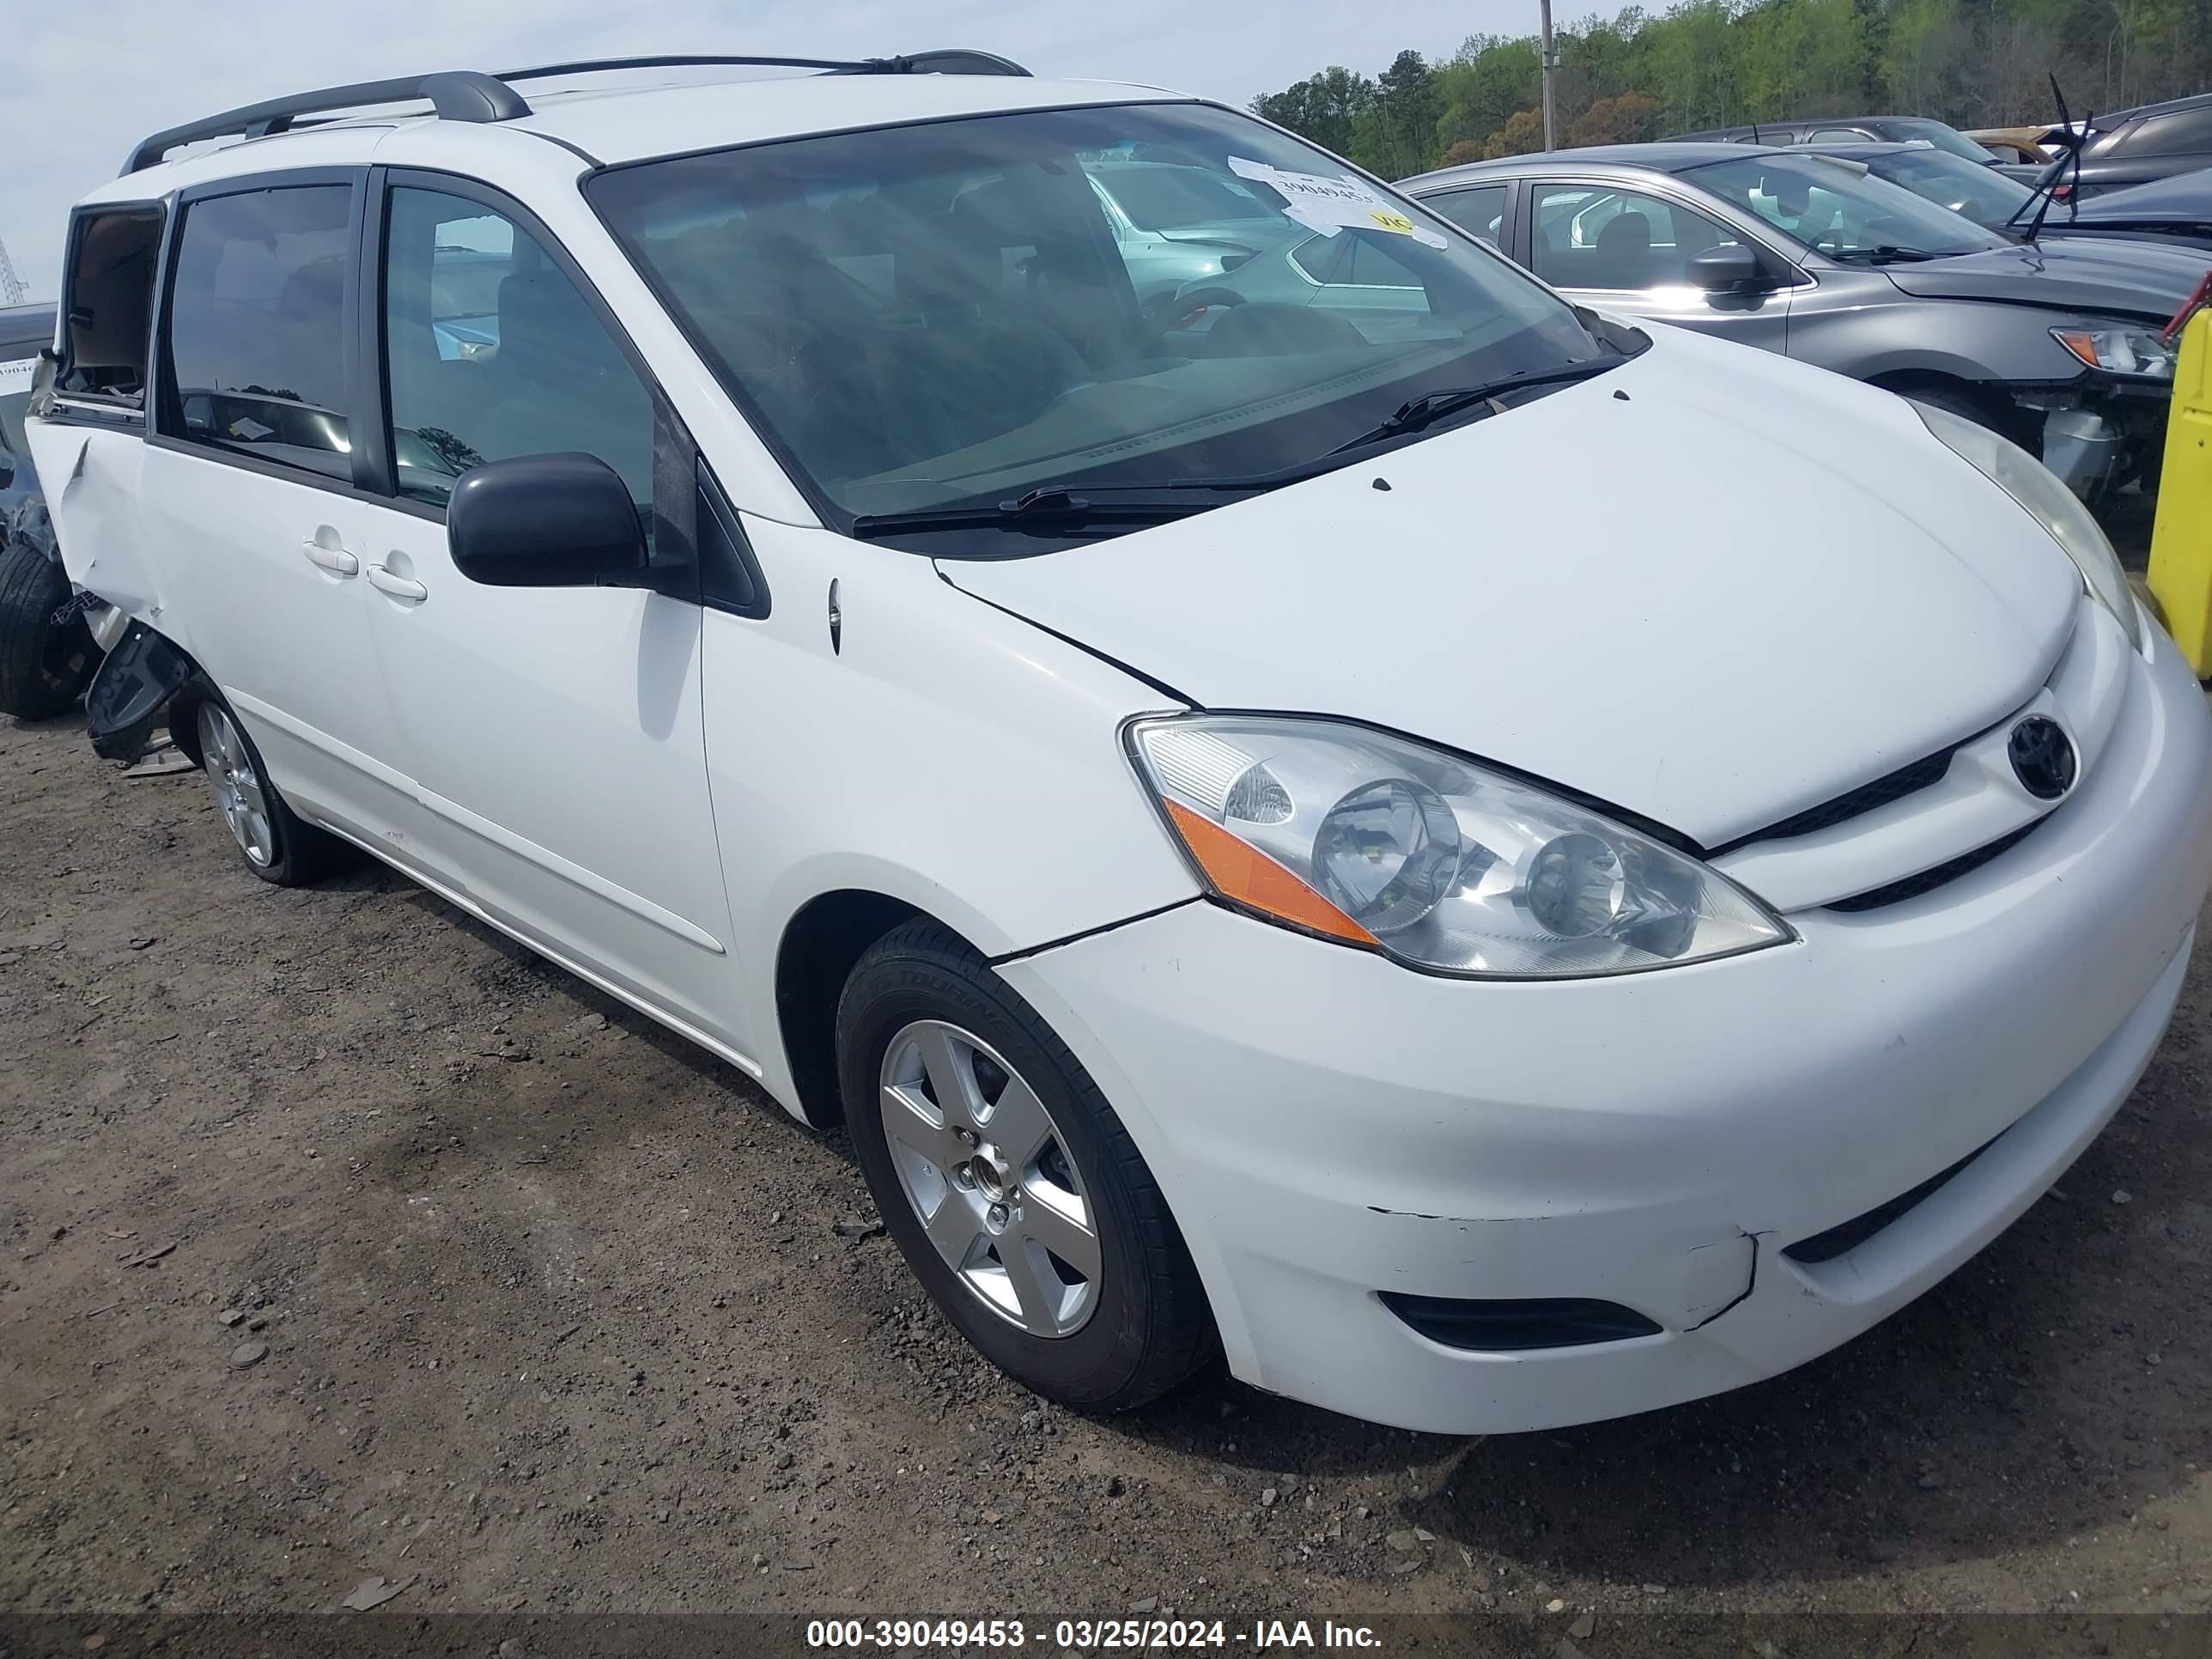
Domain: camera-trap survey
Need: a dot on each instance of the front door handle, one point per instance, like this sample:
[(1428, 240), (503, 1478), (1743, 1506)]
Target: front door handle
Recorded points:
[(400, 587), (335, 560)]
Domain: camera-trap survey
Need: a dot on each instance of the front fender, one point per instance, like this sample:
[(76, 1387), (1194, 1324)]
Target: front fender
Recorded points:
[(1966, 340), (939, 752)]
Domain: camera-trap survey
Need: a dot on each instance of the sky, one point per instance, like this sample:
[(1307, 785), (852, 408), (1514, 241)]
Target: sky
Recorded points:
[(89, 78)]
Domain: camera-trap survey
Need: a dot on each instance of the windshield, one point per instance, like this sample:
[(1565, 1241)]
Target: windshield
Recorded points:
[(1948, 139), (1157, 197), (940, 313), (1837, 210), (1982, 194)]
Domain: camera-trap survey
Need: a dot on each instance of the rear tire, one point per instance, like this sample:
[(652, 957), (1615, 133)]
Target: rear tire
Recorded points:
[(1105, 1313), (275, 843), (45, 666)]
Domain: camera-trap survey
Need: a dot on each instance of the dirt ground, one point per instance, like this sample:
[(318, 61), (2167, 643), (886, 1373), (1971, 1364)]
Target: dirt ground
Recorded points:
[(558, 1318)]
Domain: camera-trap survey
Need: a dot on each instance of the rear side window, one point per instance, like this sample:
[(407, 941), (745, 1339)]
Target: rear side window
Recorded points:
[(256, 358)]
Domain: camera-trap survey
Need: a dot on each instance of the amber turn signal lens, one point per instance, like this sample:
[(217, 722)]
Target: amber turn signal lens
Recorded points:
[(1251, 877), (2079, 343)]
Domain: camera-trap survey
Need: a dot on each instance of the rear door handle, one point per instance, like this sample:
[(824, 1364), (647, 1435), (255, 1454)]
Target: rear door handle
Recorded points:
[(399, 587), (335, 560)]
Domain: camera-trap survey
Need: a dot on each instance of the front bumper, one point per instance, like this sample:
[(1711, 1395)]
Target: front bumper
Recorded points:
[(1328, 1126)]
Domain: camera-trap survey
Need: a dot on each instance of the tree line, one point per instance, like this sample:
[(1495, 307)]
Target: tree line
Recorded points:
[(1722, 63)]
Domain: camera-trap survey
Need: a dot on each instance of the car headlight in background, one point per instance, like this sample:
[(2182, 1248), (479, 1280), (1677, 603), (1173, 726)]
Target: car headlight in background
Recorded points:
[(2139, 352), (1445, 864), (2048, 502)]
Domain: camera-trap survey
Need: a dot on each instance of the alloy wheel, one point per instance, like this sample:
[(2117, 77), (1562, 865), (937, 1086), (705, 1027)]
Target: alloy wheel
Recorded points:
[(991, 1178), (239, 793)]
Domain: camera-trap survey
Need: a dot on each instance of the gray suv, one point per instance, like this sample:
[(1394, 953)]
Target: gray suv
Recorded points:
[(2056, 345)]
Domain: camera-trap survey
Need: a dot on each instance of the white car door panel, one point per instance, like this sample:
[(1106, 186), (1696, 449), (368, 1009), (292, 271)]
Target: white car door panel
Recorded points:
[(554, 735), (248, 502)]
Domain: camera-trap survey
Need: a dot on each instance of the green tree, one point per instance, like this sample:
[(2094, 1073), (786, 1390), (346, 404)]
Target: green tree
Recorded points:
[(1396, 135), (1523, 132), (1629, 119), (1722, 63), (1486, 80), (1322, 107)]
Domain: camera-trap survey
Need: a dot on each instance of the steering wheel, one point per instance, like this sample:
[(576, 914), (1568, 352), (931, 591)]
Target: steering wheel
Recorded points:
[(1177, 307)]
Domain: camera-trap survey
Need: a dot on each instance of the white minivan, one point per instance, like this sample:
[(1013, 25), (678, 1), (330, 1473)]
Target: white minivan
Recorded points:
[(1495, 867)]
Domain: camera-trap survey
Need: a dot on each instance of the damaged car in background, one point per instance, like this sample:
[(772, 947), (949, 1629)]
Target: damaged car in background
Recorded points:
[(2059, 345), (51, 634)]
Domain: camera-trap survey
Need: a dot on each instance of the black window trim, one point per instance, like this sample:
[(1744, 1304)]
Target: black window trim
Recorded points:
[(160, 395)]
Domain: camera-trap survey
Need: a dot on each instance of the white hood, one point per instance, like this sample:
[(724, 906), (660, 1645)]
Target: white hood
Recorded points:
[(1739, 591)]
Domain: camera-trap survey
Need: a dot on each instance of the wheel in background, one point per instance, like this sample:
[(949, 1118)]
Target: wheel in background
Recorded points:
[(45, 665)]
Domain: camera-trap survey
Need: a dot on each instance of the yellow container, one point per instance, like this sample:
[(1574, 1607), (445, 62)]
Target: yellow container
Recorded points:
[(2181, 536)]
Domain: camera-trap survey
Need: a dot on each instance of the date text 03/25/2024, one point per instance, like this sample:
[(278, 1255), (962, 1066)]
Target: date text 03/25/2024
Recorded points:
[(1086, 1635)]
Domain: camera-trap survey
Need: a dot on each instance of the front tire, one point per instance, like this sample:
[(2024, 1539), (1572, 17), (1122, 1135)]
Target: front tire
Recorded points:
[(1015, 1194)]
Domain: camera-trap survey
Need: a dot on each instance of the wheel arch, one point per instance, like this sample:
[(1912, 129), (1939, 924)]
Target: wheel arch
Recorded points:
[(815, 955), (183, 715)]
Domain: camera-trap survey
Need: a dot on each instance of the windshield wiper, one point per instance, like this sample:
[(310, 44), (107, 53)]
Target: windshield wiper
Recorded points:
[(1425, 410), (1070, 507), (1887, 255), (1050, 508)]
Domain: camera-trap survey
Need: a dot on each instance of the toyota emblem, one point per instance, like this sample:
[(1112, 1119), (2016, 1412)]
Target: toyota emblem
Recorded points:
[(2042, 756)]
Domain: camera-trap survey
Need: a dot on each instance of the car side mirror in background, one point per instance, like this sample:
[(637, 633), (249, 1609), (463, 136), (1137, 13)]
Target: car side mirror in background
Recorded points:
[(1729, 267), (561, 520)]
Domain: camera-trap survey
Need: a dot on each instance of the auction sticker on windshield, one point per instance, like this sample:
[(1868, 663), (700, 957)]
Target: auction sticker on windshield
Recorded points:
[(1329, 206), (16, 376)]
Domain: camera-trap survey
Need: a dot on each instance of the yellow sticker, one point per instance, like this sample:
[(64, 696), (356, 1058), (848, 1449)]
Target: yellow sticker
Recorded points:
[(1397, 222)]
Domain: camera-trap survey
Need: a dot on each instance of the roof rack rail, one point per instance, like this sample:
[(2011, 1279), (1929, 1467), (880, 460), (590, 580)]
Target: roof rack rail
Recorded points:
[(455, 94), (950, 62), (470, 95)]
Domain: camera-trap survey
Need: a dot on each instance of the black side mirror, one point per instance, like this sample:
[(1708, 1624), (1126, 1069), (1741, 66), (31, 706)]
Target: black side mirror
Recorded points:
[(1731, 267), (562, 520)]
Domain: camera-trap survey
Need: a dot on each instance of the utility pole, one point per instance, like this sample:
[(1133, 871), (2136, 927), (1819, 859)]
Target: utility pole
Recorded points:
[(1551, 63), (13, 288)]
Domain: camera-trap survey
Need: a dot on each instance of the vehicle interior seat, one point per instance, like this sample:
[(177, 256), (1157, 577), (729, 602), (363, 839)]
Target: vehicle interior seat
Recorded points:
[(1622, 258)]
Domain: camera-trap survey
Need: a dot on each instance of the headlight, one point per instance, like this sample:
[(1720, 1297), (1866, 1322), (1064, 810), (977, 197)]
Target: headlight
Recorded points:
[(1445, 864), (2139, 352), (2048, 502)]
